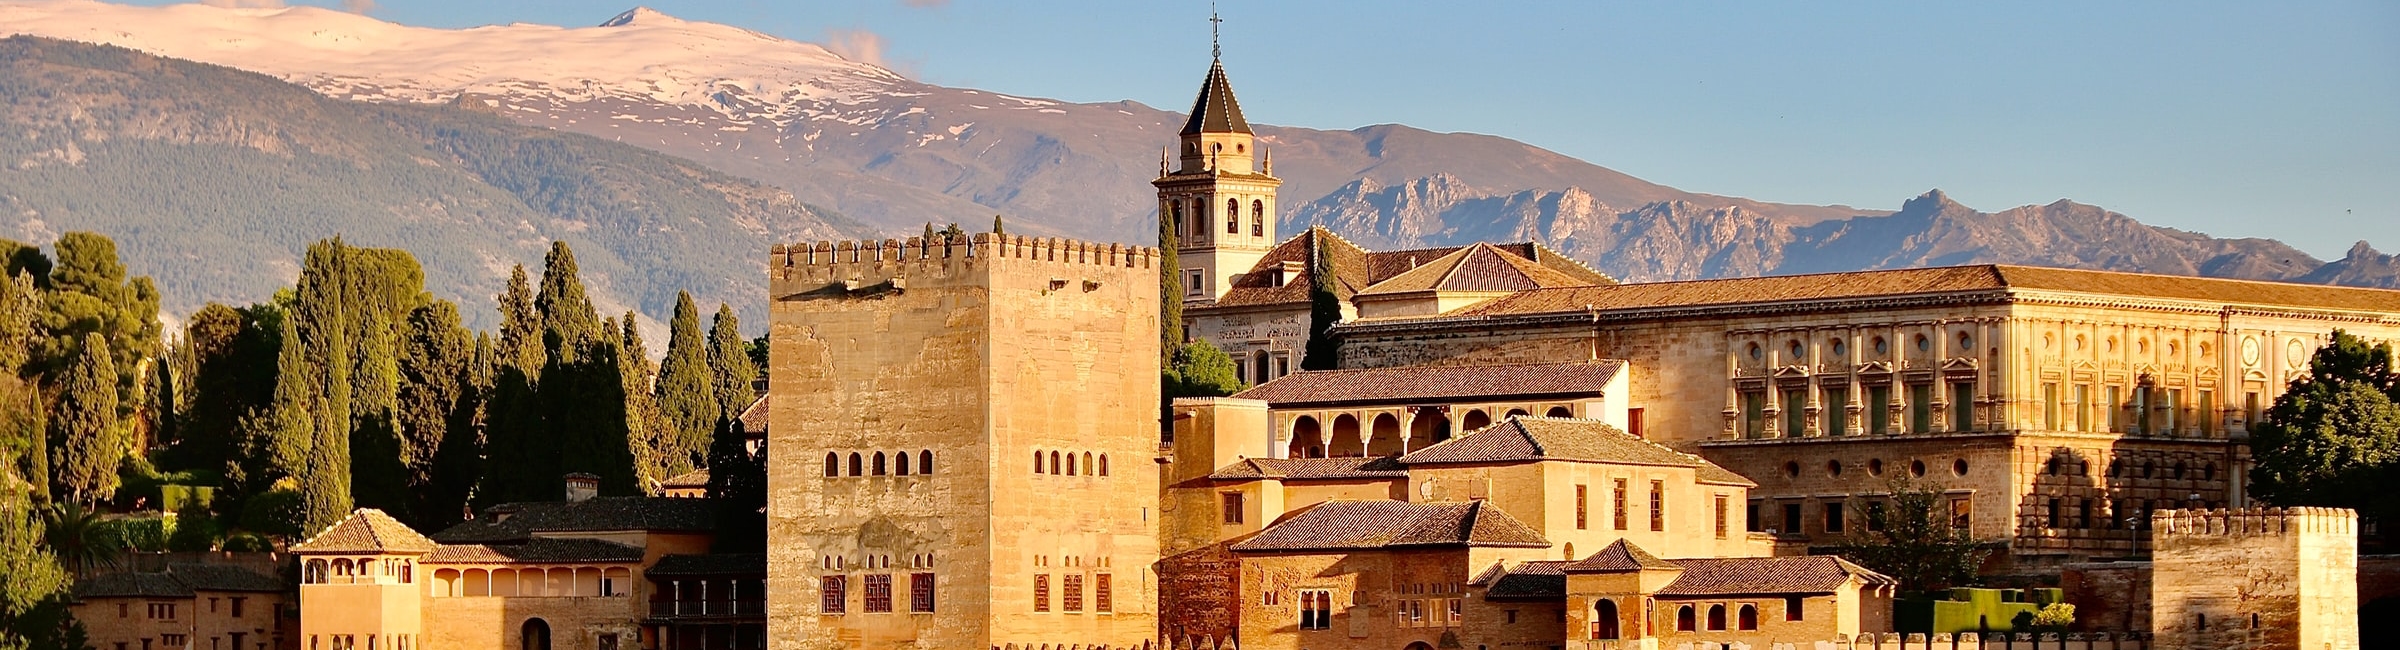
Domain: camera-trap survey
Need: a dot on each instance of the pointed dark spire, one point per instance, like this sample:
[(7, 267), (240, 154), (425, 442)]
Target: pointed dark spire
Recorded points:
[(1215, 111)]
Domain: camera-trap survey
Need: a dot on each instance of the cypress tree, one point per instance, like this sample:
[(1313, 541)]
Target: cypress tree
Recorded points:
[(291, 423), (520, 328), (996, 226), (569, 324), (85, 439), (738, 480), (436, 356), (512, 417), (1324, 308), (654, 442), (323, 328), (1170, 291), (686, 391), (20, 322), (729, 363)]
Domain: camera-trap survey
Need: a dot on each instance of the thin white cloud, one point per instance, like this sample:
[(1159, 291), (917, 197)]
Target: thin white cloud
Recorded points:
[(358, 6)]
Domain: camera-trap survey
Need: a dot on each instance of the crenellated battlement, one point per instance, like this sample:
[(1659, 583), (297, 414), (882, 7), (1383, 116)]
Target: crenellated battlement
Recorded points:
[(2241, 522), (980, 245)]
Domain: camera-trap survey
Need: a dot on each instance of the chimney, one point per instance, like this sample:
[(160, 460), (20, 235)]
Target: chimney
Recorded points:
[(582, 487)]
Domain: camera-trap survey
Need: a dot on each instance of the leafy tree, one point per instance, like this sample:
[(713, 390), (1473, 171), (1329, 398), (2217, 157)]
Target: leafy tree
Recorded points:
[(19, 258), (1324, 308), (952, 232), (1199, 369), (729, 363), (2333, 437), (36, 592), (686, 389), (20, 322), (24, 437), (1915, 542), (195, 530), (86, 440), (91, 295), (737, 479), (81, 539), (2053, 618), (758, 357)]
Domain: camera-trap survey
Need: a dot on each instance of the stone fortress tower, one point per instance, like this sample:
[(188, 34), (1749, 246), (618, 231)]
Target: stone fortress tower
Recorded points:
[(1219, 198), (962, 439), (2271, 578)]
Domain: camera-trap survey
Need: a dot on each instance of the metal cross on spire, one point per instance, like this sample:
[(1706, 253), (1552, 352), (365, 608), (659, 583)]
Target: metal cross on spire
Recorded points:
[(1215, 50)]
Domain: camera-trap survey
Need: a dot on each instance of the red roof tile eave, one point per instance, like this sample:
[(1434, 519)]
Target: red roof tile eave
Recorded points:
[(1475, 318)]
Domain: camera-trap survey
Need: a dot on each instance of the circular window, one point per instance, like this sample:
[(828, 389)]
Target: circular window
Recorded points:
[(1923, 343), (2141, 346), (1755, 353), (2292, 351), (1874, 467), (1916, 468), (1240, 148), (2172, 348), (1967, 342), (2110, 345), (2047, 340), (1882, 347), (2207, 351), (1795, 346), (1838, 348), (2080, 343), (1833, 468), (2249, 351), (1791, 469), (1959, 467)]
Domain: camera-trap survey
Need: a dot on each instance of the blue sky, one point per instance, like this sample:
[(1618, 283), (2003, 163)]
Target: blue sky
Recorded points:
[(2237, 119)]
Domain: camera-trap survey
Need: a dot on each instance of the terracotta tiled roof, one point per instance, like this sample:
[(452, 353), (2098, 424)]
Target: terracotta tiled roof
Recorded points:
[(754, 418), (1538, 579), (1953, 279), (1527, 438), (697, 478), (1432, 383), (1808, 574), (513, 522), (1301, 469), (180, 580), (713, 564), (1620, 557), (1360, 269), (1356, 525), (211, 577), (538, 550), (366, 530), (1481, 267)]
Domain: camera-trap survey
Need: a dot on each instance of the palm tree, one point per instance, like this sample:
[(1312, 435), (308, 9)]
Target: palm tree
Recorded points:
[(82, 540)]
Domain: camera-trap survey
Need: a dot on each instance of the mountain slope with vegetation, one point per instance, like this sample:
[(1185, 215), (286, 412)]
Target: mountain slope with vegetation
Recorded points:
[(215, 180)]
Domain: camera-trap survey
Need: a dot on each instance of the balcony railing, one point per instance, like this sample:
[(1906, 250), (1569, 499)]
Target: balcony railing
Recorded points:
[(707, 608)]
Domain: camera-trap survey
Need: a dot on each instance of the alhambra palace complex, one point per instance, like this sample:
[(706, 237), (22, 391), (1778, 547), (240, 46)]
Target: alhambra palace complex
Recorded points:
[(1516, 451)]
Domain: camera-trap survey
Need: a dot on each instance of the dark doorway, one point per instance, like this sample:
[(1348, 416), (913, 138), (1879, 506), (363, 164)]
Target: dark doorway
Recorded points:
[(535, 636)]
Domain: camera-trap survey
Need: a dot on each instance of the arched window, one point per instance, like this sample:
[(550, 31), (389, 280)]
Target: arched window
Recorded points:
[(1104, 464), (1716, 617), (1258, 368), (1476, 419), (535, 635), (833, 464), (1516, 412), (1233, 216), (341, 567), (314, 572), (858, 464), (1748, 617), (1175, 214), (1258, 218), (1560, 412), (900, 464), (1604, 619), (1070, 464), (1088, 467), (1053, 463), (925, 461), (408, 573), (1683, 620), (1037, 461), (878, 463)]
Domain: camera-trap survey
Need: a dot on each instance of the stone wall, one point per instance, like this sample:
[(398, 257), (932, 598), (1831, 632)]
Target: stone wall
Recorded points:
[(2262, 578)]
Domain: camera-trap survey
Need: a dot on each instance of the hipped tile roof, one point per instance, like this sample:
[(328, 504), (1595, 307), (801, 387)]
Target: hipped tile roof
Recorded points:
[(180, 580), (1436, 383), (1301, 469), (1620, 557), (366, 530), (1361, 525), (512, 522), (1527, 438), (1734, 576), (1538, 579), (1480, 267), (538, 550), (1359, 269), (754, 419), (1940, 280)]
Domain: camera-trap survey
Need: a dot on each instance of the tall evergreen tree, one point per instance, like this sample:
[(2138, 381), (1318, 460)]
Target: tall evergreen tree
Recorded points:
[(686, 388), (436, 358), (90, 295), (569, 324), (737, 479), (729, 362), (654, 443), (520, 342), (86, 441), (1324, 308), (291, 424), (24, 437), (20, 322), (324, 328), (1170, 290)]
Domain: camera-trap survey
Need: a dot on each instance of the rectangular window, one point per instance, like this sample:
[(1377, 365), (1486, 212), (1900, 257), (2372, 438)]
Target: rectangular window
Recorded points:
[(1633, 422), (1795, 413), (1103, 598), (1041, 592), (920, 592), (1620, 505), (1794, 608), (2142, 424), (1658, 505), (1192, 283), (2175, 420), (1962, 513), (833, 594), (1833, 516), (2083, 513), (1791, 518), (1920, 408), (1754, 415), (2249, 409), (1316, 610), (1962, 406), (1756, 523), (1836, 416), (2050, 419), (1072, 599), (2050, 514), (2207, 413), (879, 593), (1283, 364), (1879, 410), (1723, 512), (2083, 407), (237, 607), (1233, 508), (1581, 515), (2115, 403), (177, 640), (1455, 616)]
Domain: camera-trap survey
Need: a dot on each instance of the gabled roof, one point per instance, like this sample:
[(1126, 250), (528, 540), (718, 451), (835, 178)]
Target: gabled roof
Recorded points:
[(514, 522), (1807, 574), (1934, 281), (1301, 469), (1359, 269), (1436, 383), (713, 564), (1479, 267), (1538, 579), (754, 419), (1620, 557), (366, 530), (1215, 111), (537, 550), (1527, 438), (1360, 525)]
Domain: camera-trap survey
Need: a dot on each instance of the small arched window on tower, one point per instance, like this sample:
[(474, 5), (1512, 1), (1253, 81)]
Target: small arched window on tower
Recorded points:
[(1104, 464), (925, 461), (1175, 214), (879, 463), (1089, 468), (1258, 218), (833, 464), (1054, 463), (1037, 461), (1070, 464), (858, 464), (900, 464), (1233, 216)]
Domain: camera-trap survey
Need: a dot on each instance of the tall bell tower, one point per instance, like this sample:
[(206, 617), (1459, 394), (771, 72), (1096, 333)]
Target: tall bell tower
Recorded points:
[(1219, 195)]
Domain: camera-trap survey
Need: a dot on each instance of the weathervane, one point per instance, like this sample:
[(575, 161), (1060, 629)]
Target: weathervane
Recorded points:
[(1215, 50)]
